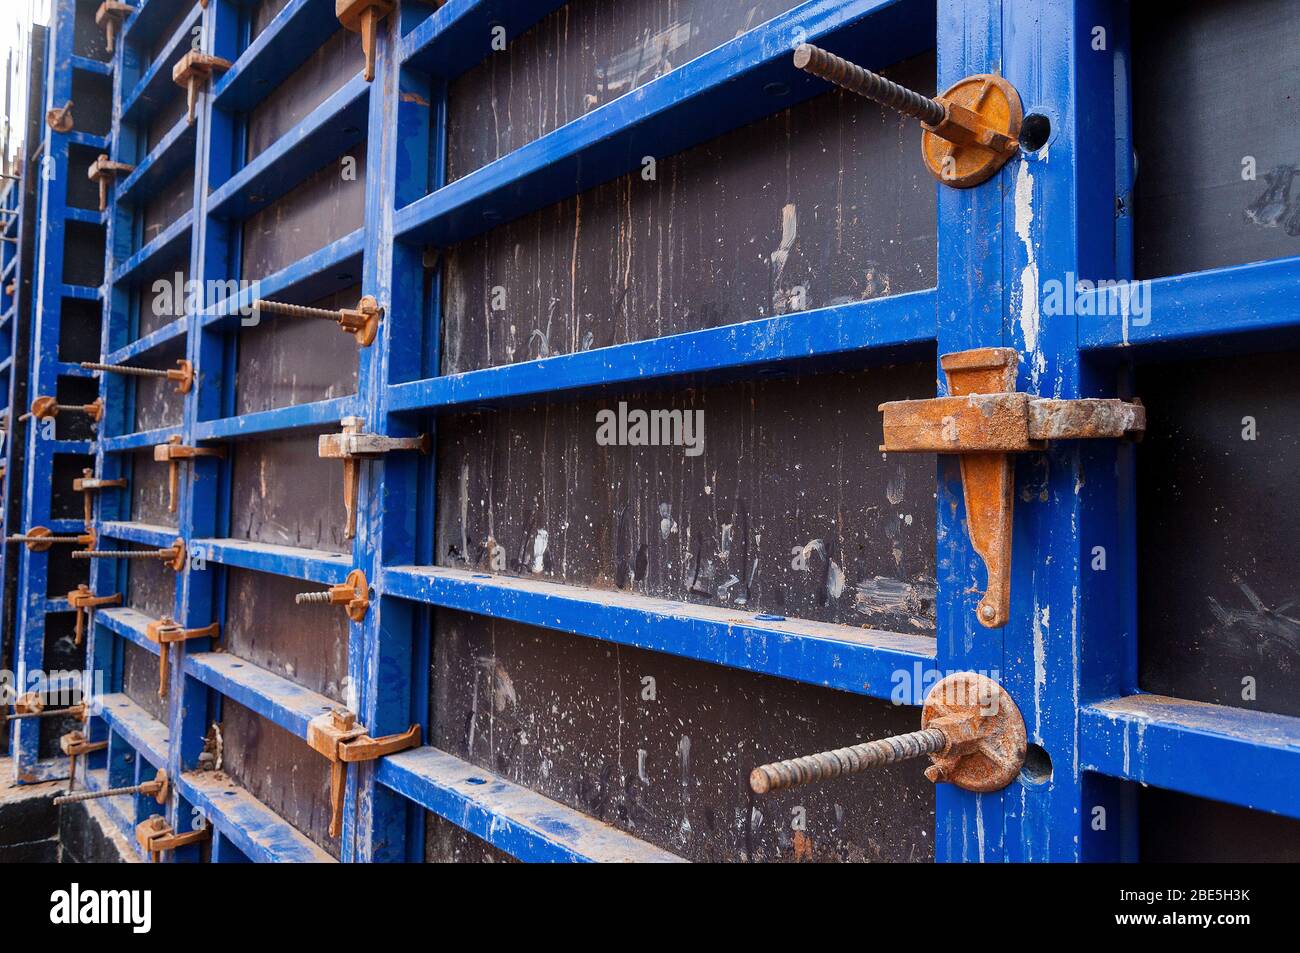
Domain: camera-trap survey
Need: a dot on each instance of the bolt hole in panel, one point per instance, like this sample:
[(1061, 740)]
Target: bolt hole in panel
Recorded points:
[(1035, 132), (1214, 99)]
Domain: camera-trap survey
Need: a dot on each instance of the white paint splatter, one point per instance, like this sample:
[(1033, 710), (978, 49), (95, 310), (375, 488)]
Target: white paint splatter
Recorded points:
[(540, 542), (1030, 317)]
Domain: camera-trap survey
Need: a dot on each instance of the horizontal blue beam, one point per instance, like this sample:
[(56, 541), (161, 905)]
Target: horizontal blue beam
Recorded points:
[(889, 324), (78, 137), (1242, 757), (88, 65), (259, 833), (173, 154), (272, 696), (79, 292), (294, 34), (129, 623), (326, 133), (84, 215), (737, 83), (170, 245), (1259, 297), (156, 86), (315, 414), (143, 533), (168, 332), (309, 564), (508, 816), (458, 35), (142, 731), (140, 440), (863, 661)]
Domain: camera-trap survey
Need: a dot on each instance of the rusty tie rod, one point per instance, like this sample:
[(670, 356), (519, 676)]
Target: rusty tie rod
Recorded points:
[(780, 775), (850, 76)]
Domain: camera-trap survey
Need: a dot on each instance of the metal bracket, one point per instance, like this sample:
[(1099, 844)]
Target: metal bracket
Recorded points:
[(985, 420), (88, 483), (193, 67), (362, 16), (109, 17), (353, 595), (84, 603), (340, 739), (102, 171), (172, 453), (47, 408), (74, 744), (354, 445), (166, 632), (155, 835)]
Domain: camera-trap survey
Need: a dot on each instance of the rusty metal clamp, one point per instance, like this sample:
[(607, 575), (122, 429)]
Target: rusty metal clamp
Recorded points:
[(31, 705), (362, 322), (88, 483), (174, 555), (109, 17), (191, 69), (970, 728), (182, 374), (985, 420), (158, 789), (60, 119), (363, 16), (39, 539), (172, 453), (155, 836), (354, 445), (353, 594), (167, 632), (84, 603), (74, 744), (103, 171), (338, 737), (47, 408)]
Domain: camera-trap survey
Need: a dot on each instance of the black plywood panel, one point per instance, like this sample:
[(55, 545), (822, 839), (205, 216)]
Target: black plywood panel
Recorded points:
[(72, 425), (88, 38), (92, 97), (83, 254), (173, 109), (823, 204), (584, 55), (1219, 532), (157, 404), (326, 71), (81, 192), (61, 654), (306, 644), (150, 497), (283, 493), (64, 502), (79, 330), (168, 203), (662, 747), (150, 586), (445, 843), (1180, 829), (789, 508), (1215, 95), (140, 679)]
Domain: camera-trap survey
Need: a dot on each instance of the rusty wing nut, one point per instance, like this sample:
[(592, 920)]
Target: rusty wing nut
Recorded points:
[(985, 732)]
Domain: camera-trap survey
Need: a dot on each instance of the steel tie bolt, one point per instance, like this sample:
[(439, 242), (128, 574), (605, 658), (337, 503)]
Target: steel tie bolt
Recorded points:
[(850, 76), (832, 764), (157, 788), (313, 598)]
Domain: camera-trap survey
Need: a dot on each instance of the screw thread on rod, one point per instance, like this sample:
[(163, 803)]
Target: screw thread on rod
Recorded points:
[(41, 714), (831, 764), (123, 554), (855, 79), (123, 369), (43, 539), (311, 598), (95, 795), (294, 310)]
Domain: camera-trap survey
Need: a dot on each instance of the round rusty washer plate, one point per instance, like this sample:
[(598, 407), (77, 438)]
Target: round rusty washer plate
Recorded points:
[(177, 562), (357, 608), (36, 539), (998, 103), (365, 335), (992, 761), (44, 408)]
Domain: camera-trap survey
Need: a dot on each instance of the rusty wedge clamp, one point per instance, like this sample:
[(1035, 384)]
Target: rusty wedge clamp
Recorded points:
[(87, 484), (985, 420), (363, 16), (172, 453), (191, 69), (167, 632), (362, 322), (354, 445), (970, 728), (182, 374), (103, 171), (173, 555), (353, 595), (47, 408), (74, 744), (39, 539), (155, 836), (158, 789), (968, 133), (84, 603), (60, 120), (109, 17), (339, 738)]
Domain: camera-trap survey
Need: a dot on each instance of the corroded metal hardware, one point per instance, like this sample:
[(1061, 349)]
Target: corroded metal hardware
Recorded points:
[(167, 632), (155, 836), (362, 322), (74, 744), (60, 119), (182, 374), (968, 133), (109, 17), (39, 539), (173, 555), (984, 421), (103, 171), (191, 69), (158, 789), (31, 705), (47, 408), (354, 445), (172, 453), (970, 728), (339, 738), (353, 595), (87, 483), (363, 16), (84, 603)]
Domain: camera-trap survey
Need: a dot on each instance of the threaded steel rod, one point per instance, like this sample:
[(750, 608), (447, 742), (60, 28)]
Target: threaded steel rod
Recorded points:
[(855, 79), (123, 369), (107, 792), (294, 310), (312, 598), (123, 554), (831, 764), (42, 539), (41, 714)]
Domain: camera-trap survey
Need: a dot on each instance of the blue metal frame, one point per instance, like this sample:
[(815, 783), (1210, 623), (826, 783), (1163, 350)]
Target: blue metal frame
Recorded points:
[(1068, 656)]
